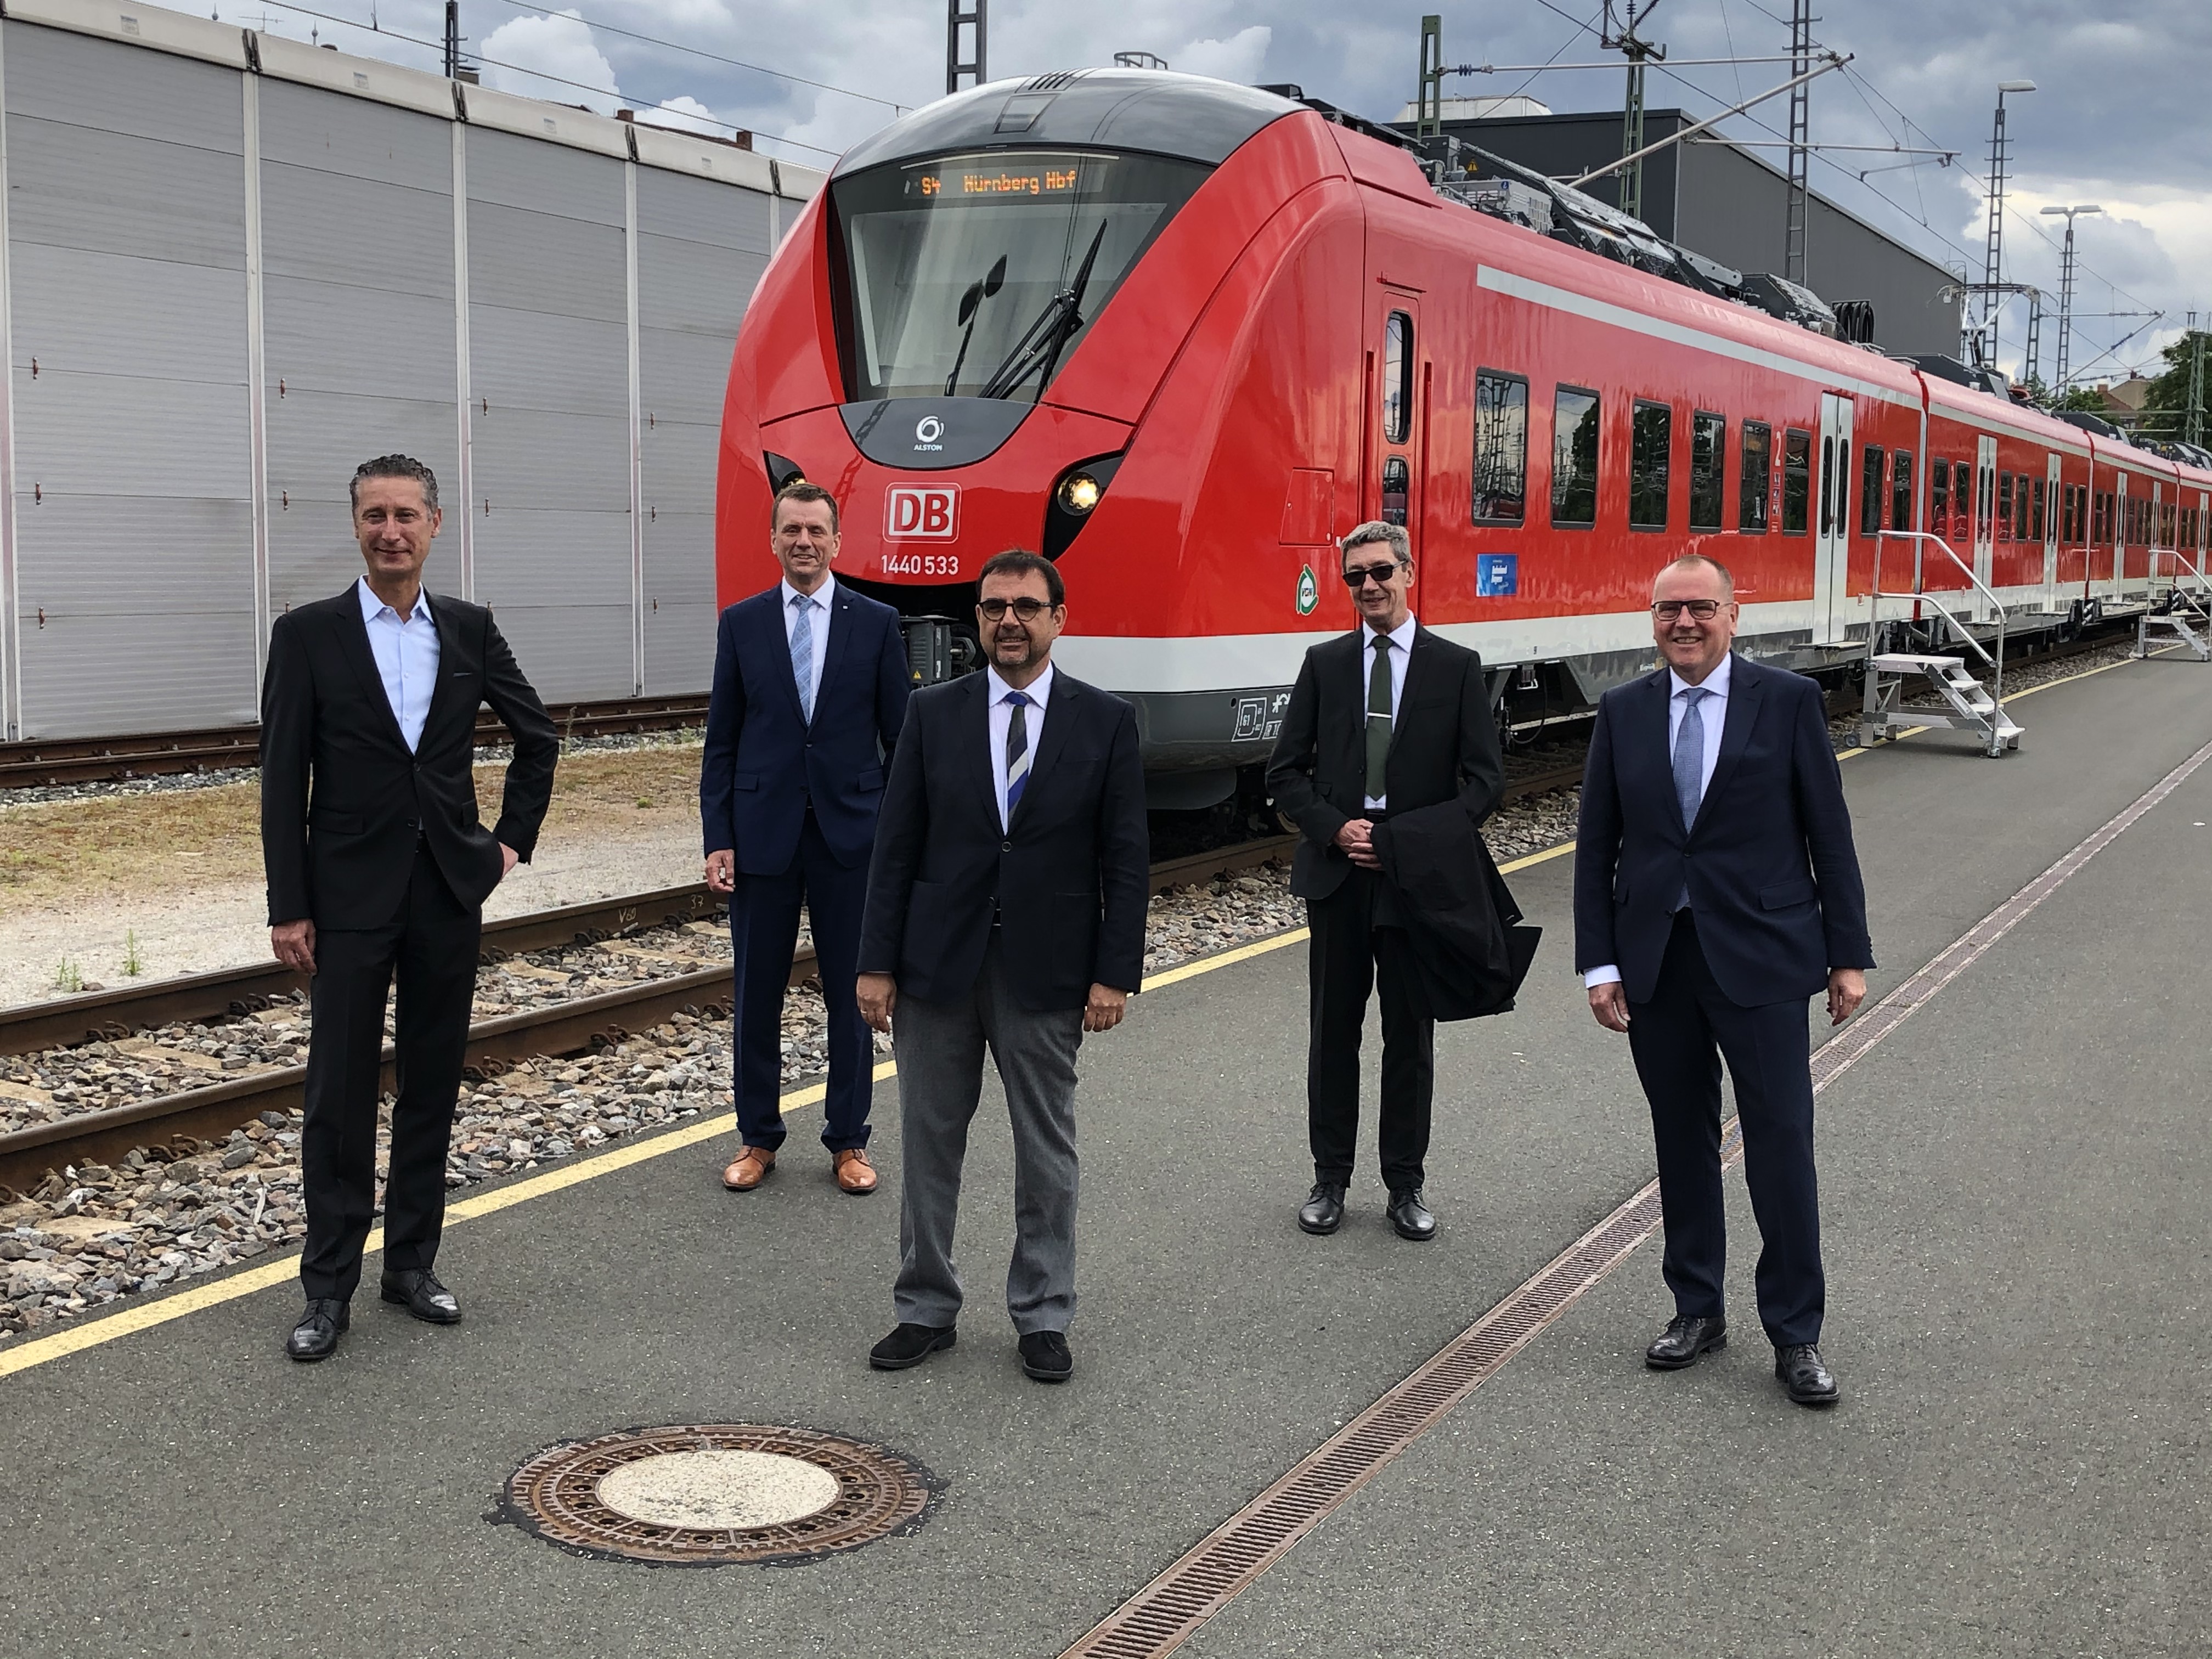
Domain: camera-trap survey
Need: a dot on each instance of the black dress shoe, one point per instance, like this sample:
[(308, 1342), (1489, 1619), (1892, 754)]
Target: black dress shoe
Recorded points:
[(316, 1336), (1684, 1339), (1410, 1217), (423, 1296), (909, 1345), (1046, 1357), (1805, 1374), (1323, 1212)]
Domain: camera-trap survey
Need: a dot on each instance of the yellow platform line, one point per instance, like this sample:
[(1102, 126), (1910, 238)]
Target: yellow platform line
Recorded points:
[(145, 1316)]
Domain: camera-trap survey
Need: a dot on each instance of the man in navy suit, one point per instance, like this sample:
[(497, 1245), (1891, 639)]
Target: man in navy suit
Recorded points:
[(1716, 889), (810, 691), (1007, 909)]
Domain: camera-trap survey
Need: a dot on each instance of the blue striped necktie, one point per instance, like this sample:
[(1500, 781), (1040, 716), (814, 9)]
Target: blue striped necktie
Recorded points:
[(802, 652), (1018, 751)]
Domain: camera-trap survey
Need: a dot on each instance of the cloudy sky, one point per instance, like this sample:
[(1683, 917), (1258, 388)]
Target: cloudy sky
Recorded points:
[(2119, 118)]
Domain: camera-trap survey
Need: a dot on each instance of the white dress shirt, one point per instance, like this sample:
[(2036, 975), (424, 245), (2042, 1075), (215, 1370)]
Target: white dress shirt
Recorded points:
[(817, 621), (1401, 643), (1712, 712), (1039, 692), (407, 654)]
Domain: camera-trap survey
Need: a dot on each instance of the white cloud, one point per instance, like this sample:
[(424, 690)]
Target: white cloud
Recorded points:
[(559, 47), (685, 115), (1239, 57)]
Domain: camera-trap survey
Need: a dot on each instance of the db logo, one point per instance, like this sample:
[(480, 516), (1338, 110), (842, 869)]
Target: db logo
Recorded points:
[(916, 514)]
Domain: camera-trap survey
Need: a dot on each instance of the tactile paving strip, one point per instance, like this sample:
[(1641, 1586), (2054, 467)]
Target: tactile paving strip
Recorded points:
[(1165, 1614), (555, 1495)]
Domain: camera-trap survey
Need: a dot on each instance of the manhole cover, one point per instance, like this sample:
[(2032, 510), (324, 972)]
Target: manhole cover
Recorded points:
[(703, 1494)]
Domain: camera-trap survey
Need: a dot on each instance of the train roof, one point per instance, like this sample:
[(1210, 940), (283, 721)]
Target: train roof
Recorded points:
[(1190, 117)]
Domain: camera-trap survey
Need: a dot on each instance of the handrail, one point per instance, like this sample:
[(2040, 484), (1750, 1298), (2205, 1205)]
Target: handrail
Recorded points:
[(1919, 592)]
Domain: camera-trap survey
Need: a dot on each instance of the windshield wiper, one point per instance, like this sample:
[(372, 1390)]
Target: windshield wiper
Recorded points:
[(1042, 342), (971, 303)]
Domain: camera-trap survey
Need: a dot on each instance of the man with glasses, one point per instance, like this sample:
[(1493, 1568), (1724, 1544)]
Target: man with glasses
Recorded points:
[(1384, 721), (1005, 909), (810, 690), (1716, 888)]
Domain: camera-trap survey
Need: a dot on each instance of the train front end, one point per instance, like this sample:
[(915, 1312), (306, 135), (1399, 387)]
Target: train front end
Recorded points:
[(962, 337)]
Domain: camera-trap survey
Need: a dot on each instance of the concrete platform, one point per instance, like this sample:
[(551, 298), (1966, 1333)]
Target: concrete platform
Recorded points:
[(2015, 1190)]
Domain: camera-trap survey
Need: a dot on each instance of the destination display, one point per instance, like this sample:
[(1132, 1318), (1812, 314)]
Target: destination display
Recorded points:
[(988, 178)]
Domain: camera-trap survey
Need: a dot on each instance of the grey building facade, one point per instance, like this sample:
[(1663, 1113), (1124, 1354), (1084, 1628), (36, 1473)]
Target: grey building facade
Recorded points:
[(1729, 205)]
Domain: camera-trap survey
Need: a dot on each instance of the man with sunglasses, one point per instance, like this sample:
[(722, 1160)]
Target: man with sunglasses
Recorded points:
[(1005, 909), (1384, 721), (1716, 888)]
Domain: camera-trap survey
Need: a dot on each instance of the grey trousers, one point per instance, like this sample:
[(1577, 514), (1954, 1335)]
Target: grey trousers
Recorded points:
[(940, 1076)]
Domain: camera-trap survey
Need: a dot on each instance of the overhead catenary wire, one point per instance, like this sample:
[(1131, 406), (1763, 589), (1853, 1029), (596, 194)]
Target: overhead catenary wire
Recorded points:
[(524, 69)]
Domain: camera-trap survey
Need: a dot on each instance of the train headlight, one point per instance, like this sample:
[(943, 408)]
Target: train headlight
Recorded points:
[(1079, 492)]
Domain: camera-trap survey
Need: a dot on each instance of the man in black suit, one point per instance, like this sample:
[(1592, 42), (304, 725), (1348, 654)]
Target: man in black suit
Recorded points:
[(1005, 907), (810, 690), (1716, 889), (1384, 721), (377, 865)]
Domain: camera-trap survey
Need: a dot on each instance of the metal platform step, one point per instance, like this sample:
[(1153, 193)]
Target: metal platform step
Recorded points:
[(1972, 709), (2178, 621)]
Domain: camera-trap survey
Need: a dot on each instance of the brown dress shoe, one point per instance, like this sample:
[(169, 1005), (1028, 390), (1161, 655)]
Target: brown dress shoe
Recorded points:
[(854, 1171), (752, 1167)]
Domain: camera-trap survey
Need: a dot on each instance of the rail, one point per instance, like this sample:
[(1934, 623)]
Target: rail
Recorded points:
[(1919, 594), (28, 1154)]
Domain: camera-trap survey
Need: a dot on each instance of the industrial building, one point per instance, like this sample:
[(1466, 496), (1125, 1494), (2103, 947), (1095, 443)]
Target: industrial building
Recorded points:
[(1716, 198), (232, 266)]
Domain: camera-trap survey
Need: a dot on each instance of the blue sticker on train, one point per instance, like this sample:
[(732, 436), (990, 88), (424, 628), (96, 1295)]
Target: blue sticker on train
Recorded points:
[(1497, 575)]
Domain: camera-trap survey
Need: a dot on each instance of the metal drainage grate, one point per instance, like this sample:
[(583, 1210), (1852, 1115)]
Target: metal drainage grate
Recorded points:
[(706, 1495)]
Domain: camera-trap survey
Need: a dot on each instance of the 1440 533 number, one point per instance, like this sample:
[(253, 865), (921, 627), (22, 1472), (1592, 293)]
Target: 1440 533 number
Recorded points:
[(921, 564)]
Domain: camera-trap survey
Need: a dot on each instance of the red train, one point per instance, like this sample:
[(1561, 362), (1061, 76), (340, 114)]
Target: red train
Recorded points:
[(1180, 335)]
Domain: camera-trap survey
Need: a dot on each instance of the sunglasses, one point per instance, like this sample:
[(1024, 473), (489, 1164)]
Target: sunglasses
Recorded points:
[(1703, 609), (1024, 609), (1357, 576)]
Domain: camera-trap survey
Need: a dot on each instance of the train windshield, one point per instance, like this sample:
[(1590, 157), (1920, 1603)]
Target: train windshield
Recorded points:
[(976, 276)]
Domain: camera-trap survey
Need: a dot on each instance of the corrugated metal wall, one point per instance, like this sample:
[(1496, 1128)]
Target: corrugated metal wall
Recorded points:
[(556, 351)]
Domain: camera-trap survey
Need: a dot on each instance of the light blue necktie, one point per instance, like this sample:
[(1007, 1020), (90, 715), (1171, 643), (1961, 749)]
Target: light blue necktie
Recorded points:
[(1690, 767), (1018, 752), (802, 652)]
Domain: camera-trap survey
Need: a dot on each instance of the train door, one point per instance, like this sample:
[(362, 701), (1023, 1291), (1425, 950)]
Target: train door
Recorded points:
[(1985, 522), (1398, 431), (2051, 499), (1832, 548), (2116, 534)]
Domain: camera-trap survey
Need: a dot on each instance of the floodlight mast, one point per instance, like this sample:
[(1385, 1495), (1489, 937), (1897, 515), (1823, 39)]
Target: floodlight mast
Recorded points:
[(1993, 254), (2066, 291)]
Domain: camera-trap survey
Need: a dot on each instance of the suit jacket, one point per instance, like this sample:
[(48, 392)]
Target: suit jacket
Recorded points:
[(1443, 747), (1468, 941), (1772, 875), (765, 764), (343, 801), (1069, 873)]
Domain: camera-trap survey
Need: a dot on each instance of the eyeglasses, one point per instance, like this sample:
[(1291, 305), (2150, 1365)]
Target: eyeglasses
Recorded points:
[(1024, 609), (1356, 577), (1704, 610)]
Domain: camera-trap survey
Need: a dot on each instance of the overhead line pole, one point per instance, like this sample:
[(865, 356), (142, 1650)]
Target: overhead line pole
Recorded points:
[(968, 67), (1797, 203), (1835, 60), (1637, 51)]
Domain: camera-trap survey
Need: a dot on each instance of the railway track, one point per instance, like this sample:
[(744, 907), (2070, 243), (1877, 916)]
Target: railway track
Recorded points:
[(566, 1028), (101, 760)]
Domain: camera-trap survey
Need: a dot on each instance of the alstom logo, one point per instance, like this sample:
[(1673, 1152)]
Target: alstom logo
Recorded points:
[(914, 513)]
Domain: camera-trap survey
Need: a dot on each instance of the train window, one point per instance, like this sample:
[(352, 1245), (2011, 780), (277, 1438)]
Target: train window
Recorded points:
[(978, 275), (1501, 448), (1397, 488), (1758, 477), (2100, 530), (2069, 517), (1708, 467), (1797, 480), (1397, 378), (1900, 490), (1574, 458), (1650, 450), (1870, 491), (2036, 491), (1938, 497), (2004, 506)]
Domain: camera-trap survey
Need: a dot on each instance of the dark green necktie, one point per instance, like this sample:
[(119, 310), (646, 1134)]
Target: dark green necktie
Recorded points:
[(1378, 718)]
